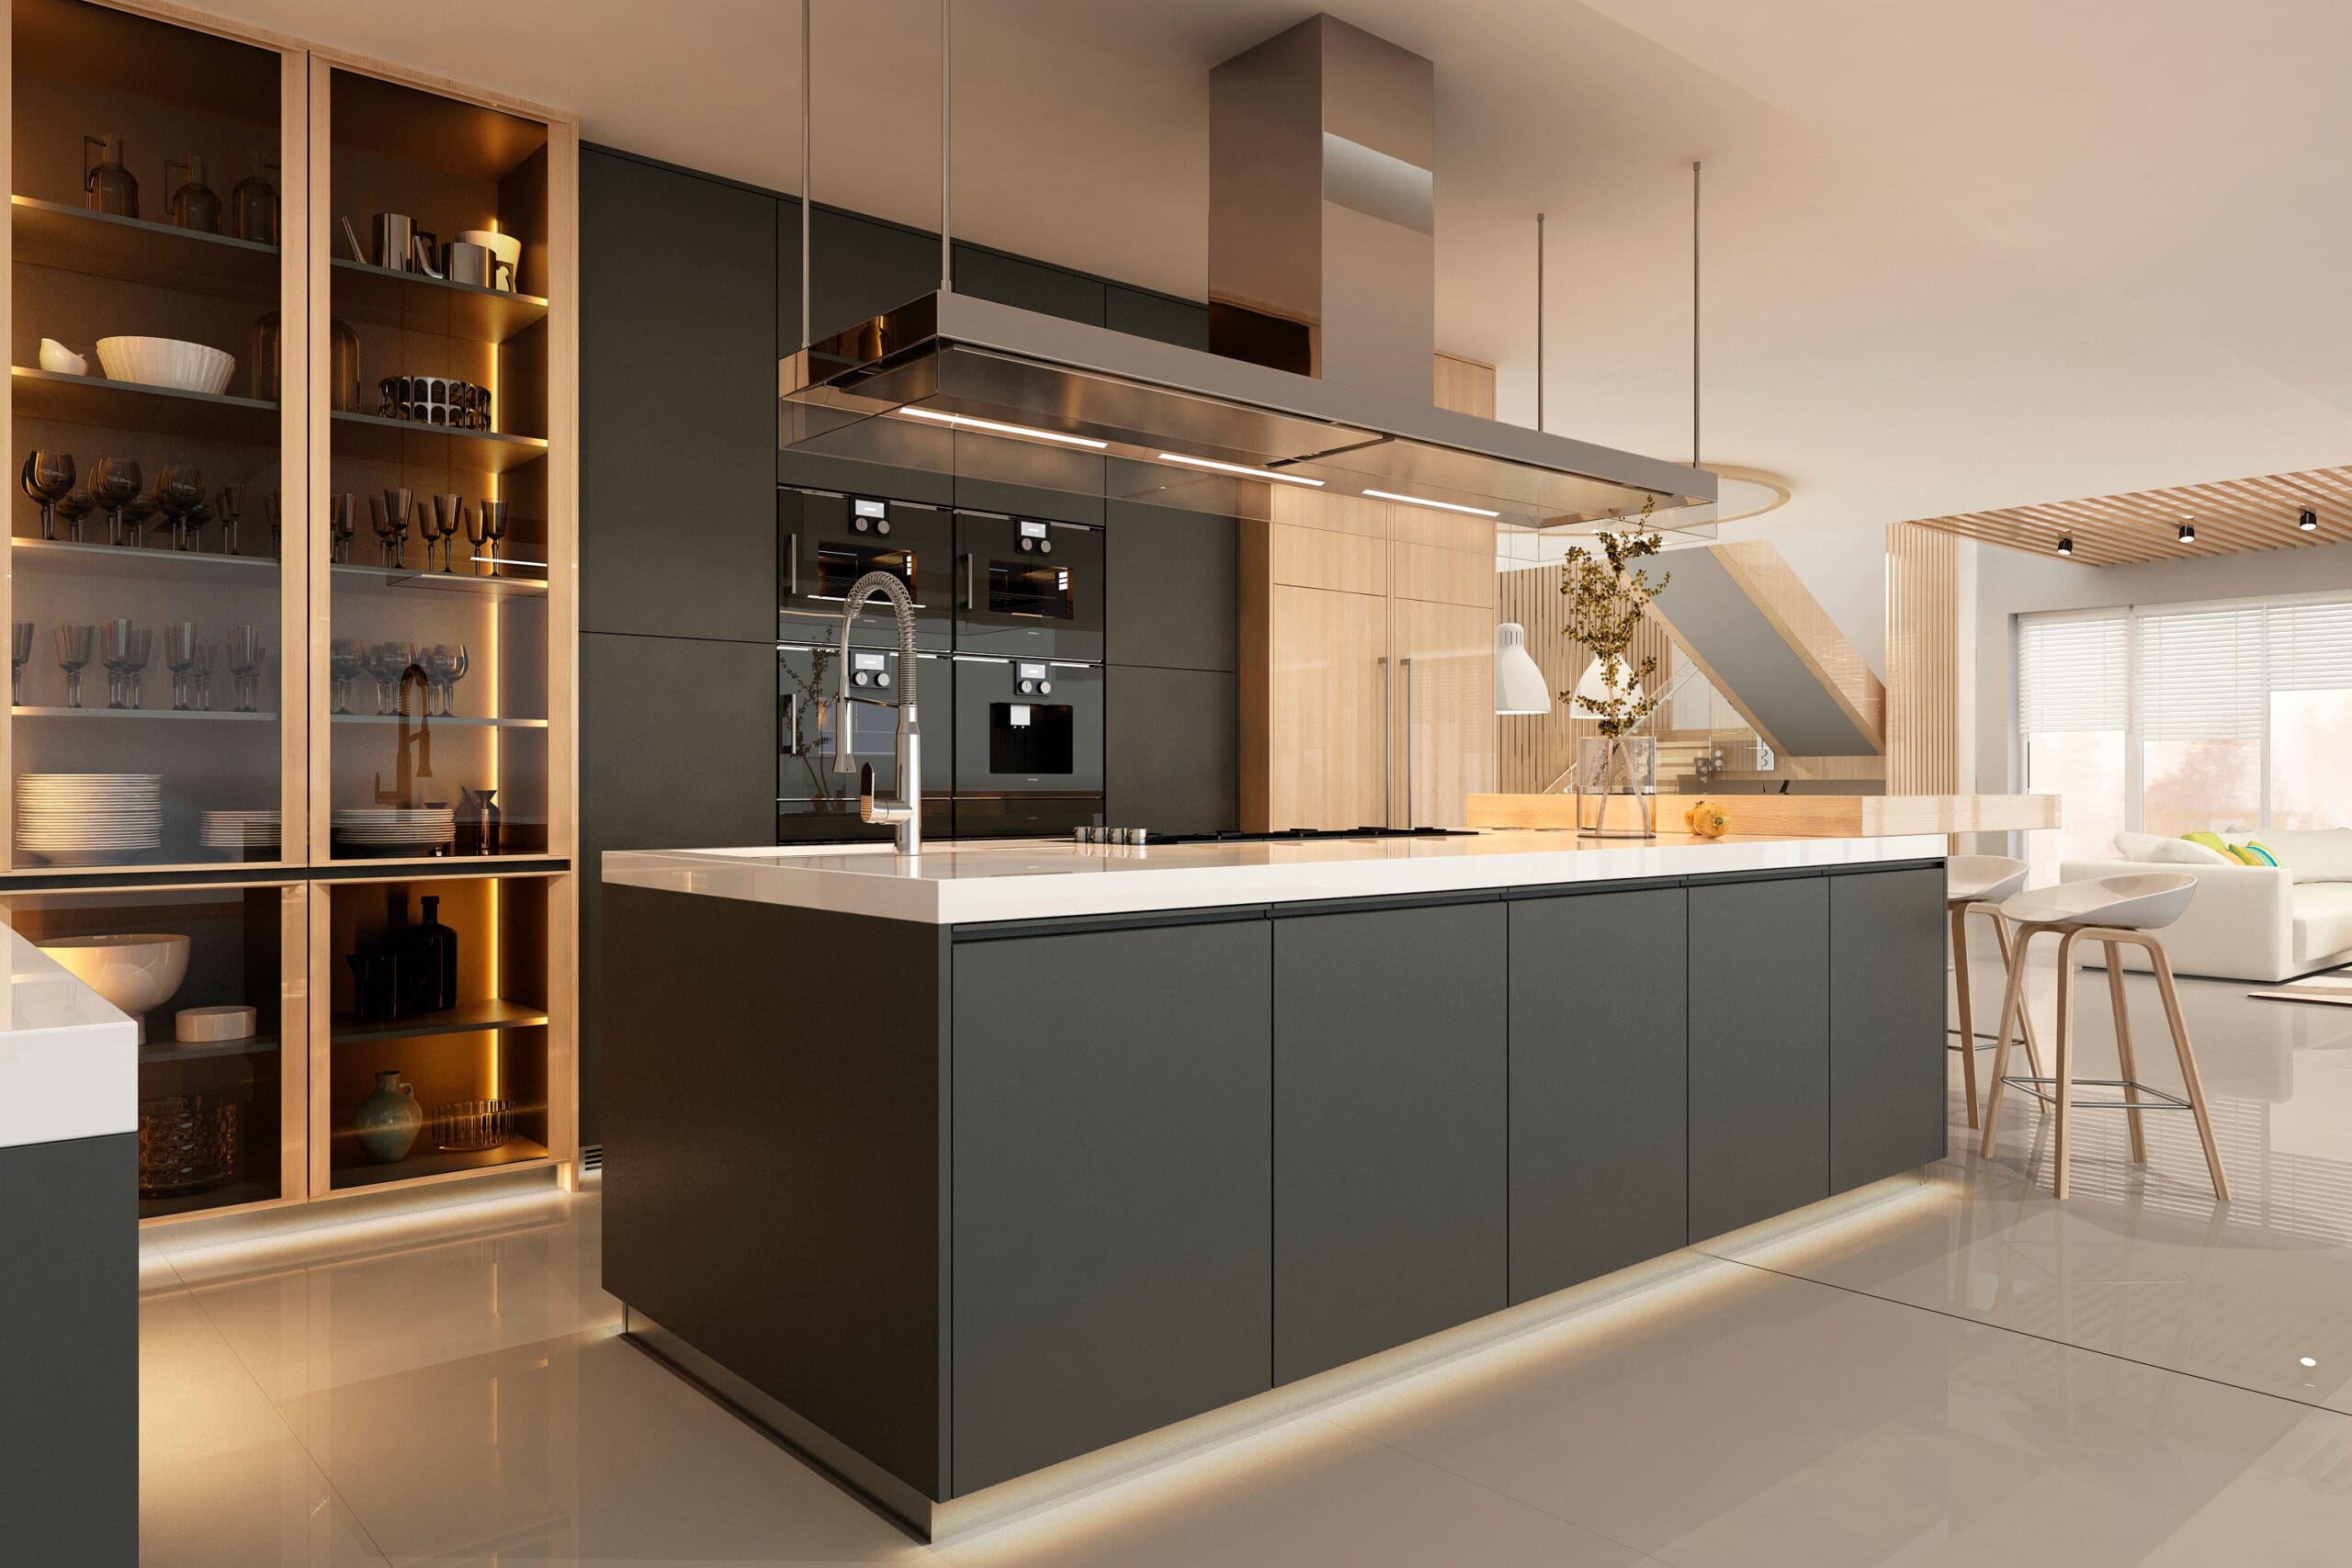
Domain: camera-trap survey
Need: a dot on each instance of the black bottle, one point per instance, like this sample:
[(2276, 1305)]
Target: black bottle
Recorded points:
[(435, 946)]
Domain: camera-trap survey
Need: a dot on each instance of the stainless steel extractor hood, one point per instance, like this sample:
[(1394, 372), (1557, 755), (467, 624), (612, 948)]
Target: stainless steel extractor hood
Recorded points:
[(1322, 299)]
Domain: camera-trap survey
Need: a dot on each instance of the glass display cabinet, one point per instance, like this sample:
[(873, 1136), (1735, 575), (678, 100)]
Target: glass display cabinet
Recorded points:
[(291, 585)]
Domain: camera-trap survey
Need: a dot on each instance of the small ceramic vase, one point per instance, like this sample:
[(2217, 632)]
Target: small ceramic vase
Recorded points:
[(388, 1120)]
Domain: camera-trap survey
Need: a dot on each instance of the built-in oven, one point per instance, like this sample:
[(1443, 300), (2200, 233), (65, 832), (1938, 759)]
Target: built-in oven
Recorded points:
[(1027, 588), (1028, 746), (813, 803), (826, 542)]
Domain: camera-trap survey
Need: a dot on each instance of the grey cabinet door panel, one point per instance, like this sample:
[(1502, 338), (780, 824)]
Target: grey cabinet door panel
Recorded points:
[(1887, 1072), (1171, 584), (677, 386), (69, 1387), (1390, 1115), (677, 749), (1171, 749), (1141, 314), (1599, 1085), (1030, 285), (1113, 1189), (860, 268), (1759, 1050)]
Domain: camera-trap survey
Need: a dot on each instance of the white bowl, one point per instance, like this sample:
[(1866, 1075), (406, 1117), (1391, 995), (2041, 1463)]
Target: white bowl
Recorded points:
[(166, 362), (134, 973), (55, 356)]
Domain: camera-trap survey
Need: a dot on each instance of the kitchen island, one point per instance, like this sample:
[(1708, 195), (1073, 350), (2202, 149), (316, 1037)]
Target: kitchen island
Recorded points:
[(955, 1167)]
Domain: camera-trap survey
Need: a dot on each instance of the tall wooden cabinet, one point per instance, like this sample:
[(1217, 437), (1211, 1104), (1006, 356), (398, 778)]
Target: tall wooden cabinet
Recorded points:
[(248, 780), (1367, 638)]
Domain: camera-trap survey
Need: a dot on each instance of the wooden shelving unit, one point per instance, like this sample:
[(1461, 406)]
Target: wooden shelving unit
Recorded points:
[(348, 137)]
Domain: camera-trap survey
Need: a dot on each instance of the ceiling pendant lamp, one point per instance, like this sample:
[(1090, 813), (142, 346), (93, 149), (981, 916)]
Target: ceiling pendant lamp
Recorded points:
[(2308, 522), (2066, 544), (1520, 686), (2187, 531)]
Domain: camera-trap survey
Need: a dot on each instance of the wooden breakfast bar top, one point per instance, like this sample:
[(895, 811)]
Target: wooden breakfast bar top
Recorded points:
[(1796, 815)]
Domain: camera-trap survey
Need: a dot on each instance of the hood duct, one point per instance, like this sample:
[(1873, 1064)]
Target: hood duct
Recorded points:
[(1321, 255)]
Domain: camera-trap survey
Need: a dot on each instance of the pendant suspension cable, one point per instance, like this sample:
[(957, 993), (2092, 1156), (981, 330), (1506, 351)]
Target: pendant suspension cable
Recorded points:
[(946, 122), (806, 76), (1694, 315), (1539, 321)]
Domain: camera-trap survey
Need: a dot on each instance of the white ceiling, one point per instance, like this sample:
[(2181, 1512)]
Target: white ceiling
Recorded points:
[(1959, 254)]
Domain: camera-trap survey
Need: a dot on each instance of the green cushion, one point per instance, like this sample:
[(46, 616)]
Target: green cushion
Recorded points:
[(2211, 842)]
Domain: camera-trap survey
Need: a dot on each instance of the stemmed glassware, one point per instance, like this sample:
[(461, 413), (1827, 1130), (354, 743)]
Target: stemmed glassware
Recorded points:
[(445, 665), (199, 678), (74, 645), (134, 661), (393, 529), (387, 661), (343, 522), (486, 528), (231, 504), (20, 651), (179, 657), (48, 478), (269, 509), (179, 490), (346, 656), (449, 521), (116, 483), (245, 654), (78, 503), (123, 649)]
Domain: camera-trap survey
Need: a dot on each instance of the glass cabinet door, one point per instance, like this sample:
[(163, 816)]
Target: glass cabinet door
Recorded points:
[(149, 599), (432, 368)]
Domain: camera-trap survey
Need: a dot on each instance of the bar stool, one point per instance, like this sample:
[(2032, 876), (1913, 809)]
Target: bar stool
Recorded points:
[(1976, 884), (2114, 911)]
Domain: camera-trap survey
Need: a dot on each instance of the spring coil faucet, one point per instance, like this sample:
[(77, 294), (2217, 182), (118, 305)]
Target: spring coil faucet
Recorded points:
[(904, 813)]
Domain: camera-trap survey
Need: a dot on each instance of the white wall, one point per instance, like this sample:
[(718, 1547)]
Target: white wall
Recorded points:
[(2012, 583), (1844, 569)]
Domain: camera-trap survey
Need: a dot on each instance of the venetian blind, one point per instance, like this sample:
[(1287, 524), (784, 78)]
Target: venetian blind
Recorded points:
[(2202, 675), (2311, 647), (2073, 674)]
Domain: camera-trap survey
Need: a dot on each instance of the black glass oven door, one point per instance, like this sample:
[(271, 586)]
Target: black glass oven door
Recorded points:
[(825, 543), (814, 804), (1028, 588)]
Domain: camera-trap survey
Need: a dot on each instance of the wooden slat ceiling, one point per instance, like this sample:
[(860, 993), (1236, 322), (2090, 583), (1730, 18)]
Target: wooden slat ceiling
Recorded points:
[(2231, 517)]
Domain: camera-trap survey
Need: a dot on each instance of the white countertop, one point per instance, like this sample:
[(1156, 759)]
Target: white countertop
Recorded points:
[(69, 1061), (1029, 879)]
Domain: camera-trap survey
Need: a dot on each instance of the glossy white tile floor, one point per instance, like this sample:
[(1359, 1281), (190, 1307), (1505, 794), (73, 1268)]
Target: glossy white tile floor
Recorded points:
[(1970, 1372)]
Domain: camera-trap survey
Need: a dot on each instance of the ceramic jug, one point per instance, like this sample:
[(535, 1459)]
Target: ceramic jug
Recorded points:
[(388, 1120)]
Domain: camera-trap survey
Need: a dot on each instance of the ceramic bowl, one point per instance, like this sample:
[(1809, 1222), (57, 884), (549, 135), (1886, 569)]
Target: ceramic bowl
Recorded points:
[(55, 356), (135, 973), (166, 362)]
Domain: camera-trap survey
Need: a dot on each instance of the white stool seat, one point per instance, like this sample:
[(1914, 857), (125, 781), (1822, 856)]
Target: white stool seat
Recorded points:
[(2142, 902), (1982, 879)]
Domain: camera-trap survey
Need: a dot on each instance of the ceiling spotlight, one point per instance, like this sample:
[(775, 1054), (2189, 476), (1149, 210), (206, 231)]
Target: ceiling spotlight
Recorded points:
[(2188, 532), (2067, 545), (2308, 522)]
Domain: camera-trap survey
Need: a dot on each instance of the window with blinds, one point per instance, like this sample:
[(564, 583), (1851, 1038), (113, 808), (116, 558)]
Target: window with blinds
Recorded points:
[(2224, 713)]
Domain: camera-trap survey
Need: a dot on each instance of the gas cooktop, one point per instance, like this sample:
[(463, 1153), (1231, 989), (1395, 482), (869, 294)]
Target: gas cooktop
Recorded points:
[(1310, 835)]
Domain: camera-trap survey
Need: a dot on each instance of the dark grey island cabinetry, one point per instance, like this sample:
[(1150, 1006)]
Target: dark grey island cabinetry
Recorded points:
[(955, 1168)]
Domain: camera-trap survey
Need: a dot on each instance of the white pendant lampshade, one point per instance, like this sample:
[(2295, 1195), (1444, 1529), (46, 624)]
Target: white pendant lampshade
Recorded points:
[(1520, 686)]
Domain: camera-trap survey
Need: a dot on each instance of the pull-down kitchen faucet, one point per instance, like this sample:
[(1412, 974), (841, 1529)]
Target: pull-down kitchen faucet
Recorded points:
[(905, 813)]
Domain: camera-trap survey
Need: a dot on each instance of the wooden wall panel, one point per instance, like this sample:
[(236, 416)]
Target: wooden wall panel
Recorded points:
[(1922, 661), (1465, 385)]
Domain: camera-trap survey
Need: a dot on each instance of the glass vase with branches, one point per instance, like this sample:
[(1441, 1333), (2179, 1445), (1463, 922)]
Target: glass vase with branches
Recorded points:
[(1609, 590)]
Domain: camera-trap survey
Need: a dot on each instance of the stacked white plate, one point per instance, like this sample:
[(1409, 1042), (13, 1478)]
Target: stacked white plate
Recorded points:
[(240, 831), (395, 830), (89, 818)]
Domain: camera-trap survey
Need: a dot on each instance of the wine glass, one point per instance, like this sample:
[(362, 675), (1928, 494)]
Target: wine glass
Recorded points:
[(20, 650), (231, 502), (48, 478), (346, 656), (179, 490), (245, 655), (74, 645), (387, 661), (449, 520), (445, 665), (179, 657), (494, 528), (343, 522), (76, 504), (116, 482), (393, 529), (134, 660), (115, 637), (200, 677), (269, 509), (136, 511)]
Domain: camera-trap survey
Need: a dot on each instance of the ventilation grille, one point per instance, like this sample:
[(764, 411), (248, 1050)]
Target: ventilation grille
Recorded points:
[(592, 1157)]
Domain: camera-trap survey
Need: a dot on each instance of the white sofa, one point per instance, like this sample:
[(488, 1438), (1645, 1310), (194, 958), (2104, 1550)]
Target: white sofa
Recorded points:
[(2251, 922)]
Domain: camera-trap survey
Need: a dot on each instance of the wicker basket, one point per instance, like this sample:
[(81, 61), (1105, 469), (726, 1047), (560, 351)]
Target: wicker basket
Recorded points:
[(188, 1143)]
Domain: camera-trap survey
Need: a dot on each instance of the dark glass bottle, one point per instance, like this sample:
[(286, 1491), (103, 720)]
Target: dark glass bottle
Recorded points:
[(433, 941)]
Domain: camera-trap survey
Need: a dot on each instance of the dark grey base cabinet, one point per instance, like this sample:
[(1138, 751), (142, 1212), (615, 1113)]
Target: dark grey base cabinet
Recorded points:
[(1114, 1187), (1391, 1116), (975, 1200), (1599, 1085)]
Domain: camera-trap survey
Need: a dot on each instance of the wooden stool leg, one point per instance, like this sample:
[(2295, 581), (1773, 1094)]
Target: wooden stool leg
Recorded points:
[(2196, 1087), (1967, 1007), (2123, 1049), (2025, 1012), (2063, 1076), (2011, 994)]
